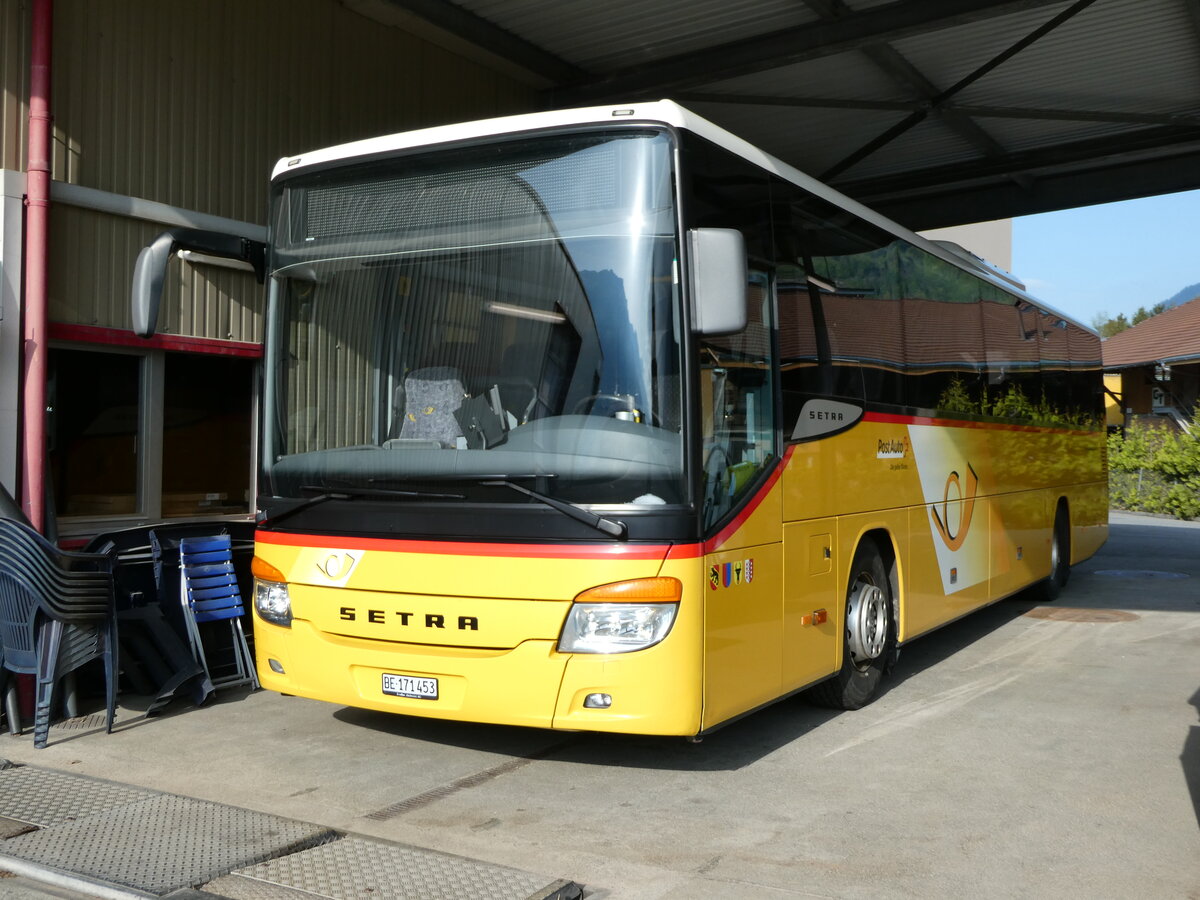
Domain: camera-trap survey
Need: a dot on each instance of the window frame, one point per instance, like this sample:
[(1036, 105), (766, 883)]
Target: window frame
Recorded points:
[(149, 442)]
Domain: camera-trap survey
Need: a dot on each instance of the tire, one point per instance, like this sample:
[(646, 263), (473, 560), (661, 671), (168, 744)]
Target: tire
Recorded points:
[(1048, 589), (868, 635)]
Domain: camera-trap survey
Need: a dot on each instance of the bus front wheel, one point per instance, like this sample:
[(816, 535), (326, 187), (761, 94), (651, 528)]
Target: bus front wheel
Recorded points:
[(868, 638)]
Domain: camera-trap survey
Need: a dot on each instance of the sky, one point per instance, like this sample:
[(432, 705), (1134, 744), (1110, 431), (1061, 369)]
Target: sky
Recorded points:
[(1110, 258)]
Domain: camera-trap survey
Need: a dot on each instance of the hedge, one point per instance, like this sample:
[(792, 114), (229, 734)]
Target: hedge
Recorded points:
[(1152, 468)]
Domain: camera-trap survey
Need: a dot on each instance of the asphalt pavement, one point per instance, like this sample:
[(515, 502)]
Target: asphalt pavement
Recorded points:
[(1025, 751)]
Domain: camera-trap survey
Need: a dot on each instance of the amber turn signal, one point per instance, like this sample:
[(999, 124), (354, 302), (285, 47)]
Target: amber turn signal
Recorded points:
[(261, 569), (640, 590)]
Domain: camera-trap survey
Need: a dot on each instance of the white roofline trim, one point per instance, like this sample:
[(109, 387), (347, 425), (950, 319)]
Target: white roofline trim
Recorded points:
[(659, 112)]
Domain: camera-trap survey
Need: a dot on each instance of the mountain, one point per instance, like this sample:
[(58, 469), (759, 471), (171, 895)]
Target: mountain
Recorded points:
[(1191, 292)]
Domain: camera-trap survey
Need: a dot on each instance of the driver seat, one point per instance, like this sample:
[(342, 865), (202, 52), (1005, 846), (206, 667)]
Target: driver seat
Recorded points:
[(431, 398)]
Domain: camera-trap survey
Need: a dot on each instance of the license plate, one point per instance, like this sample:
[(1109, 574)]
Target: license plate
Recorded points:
[(407, 686)]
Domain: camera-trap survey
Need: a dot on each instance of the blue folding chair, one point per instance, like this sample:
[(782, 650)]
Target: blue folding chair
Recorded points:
[(208, 592)]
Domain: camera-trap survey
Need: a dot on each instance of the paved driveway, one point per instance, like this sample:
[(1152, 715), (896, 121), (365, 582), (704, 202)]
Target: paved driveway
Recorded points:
[(1024, 751)]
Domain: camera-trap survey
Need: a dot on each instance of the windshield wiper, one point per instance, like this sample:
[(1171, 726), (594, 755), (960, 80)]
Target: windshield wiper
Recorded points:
[(611, 527), (350, 493)]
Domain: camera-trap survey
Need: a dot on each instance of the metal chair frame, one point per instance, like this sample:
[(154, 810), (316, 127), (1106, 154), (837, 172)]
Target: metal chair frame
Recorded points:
[(208, 592)]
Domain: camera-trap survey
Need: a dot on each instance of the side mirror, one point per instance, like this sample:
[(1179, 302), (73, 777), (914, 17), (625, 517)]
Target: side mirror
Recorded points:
[(151, 267), (718, 268)]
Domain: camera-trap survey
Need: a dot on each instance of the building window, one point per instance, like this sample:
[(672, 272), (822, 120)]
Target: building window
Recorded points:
[(207, 425), (92, 432), (140, 436)]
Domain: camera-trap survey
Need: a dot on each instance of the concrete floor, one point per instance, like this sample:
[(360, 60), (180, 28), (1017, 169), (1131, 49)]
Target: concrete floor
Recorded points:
[(1021, 752)]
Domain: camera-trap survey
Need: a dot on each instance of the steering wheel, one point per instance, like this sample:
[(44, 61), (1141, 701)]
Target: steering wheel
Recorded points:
[(535, 400)]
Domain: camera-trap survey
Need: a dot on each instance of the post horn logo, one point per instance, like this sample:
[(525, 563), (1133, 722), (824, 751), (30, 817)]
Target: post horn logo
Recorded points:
[(966, 505), (337, 566)]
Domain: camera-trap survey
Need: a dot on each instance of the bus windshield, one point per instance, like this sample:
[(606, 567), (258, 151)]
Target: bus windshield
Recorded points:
[(470, 315)]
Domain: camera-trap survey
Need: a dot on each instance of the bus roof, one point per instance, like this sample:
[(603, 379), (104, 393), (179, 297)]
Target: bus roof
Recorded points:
[(659, 112)]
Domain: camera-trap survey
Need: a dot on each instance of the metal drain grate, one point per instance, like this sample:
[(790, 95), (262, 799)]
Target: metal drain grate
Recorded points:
[(1074, 614), (123, 838), (357, 867), (164, 843), (44, 797)]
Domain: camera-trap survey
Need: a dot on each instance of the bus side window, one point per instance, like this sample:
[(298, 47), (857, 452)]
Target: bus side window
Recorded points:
[(737, 405)]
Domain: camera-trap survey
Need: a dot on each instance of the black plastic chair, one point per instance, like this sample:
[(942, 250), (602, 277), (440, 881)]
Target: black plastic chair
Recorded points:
[(155, 659), (57, 613)]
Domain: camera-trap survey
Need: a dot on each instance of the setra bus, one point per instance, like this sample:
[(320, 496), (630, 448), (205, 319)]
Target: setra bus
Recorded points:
[(606, 420)]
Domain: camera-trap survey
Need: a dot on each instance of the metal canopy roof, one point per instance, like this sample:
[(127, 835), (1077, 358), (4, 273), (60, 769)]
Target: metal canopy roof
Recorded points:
[(935, 112)]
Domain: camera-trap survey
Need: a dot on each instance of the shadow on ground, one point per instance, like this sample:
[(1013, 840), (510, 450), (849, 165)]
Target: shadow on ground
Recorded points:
[(1114, 579), (734, 746)]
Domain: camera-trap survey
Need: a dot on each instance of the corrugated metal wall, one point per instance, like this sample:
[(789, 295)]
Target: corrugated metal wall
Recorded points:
[(331, 381), (190, 103), (14, 83)]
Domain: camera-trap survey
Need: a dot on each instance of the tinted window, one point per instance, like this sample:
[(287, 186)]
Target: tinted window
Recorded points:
[(736, 383)]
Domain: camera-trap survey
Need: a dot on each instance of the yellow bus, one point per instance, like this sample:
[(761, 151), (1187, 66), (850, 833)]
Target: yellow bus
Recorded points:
[(605, 420)]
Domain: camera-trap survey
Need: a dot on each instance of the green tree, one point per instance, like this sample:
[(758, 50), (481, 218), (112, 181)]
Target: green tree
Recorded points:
[(1108, 326), (1154, 468), (1143, 314)]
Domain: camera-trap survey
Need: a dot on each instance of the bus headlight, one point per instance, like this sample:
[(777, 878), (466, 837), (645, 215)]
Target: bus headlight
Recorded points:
[(271, 599), (621, 617), (272, 602)]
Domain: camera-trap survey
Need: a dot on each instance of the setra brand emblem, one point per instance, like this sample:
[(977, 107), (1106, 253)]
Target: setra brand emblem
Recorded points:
[(408, 619), (819, 417)]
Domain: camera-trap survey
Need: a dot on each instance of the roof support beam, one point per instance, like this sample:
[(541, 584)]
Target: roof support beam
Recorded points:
[(495, 40), (895, 66), (1089, 154), (914, 119), (879, 24), (1063, 190), (981, 112), (797, 102)]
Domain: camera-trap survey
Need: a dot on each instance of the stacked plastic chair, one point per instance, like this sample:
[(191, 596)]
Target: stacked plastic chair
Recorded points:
[(56, 613), (208, 592)]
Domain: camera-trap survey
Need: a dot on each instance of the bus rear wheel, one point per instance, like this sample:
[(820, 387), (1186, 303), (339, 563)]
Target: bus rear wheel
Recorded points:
[(869, 638), (1047, 590)]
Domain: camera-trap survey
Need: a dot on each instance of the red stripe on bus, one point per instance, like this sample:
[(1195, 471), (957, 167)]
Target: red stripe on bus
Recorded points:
[(739, 520), (465, 548), (895, 419)]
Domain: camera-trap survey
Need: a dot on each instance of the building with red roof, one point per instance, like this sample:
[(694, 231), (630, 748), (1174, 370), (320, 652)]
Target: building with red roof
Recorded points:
[(1158, 361)]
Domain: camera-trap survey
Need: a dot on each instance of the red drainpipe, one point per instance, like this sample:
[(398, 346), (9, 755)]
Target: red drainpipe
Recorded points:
[(37, 217)]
